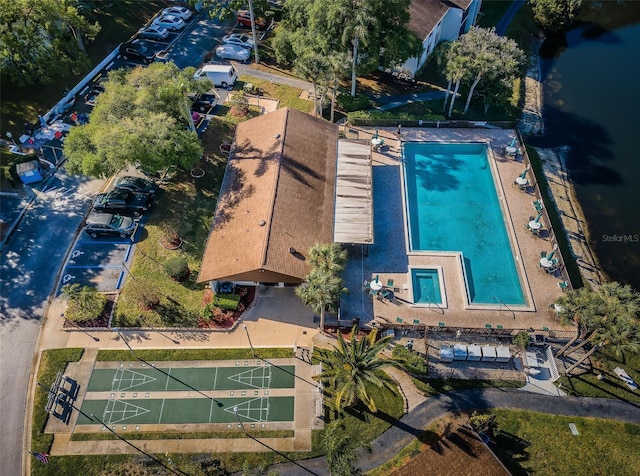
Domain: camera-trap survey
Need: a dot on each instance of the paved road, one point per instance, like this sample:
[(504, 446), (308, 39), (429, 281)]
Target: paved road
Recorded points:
[(28, 266), (411, 425)]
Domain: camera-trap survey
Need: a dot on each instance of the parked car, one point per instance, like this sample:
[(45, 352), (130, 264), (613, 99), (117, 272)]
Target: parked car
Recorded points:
[(234, 52), (123, 201), (170, 22), (154, 32), (136, 52), (244, 18), (203, 102), (180, 12), (239, 39), (108, 224), (136, 184)]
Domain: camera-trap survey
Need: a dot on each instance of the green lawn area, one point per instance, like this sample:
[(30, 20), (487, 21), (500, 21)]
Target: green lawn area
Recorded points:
[(546, 445), (611, 386), (287, 95), (602, 446), (435, 386)]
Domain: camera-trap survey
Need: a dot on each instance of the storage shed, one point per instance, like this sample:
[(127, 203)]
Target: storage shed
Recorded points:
[(503, 354), (29, 172), (488, 353), (446, 354), (474, 352), (459, 352)]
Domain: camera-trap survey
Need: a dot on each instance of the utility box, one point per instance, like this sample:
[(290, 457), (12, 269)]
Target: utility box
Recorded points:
[(29, 172)]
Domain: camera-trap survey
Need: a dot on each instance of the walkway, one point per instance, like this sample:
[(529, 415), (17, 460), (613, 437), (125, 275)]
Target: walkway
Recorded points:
[(387, 445)]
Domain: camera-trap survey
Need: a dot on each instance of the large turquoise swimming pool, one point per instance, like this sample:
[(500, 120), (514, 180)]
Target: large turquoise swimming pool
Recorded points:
[(452, 205)]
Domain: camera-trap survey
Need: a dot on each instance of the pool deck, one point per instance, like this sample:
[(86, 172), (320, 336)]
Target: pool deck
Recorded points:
[(388, 257)]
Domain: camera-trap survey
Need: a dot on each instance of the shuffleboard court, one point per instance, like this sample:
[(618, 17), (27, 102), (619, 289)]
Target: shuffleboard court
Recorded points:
[(188, 410), (150, 379)]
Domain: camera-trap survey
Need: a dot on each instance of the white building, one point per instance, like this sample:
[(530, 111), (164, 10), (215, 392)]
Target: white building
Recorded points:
[(438, 20)]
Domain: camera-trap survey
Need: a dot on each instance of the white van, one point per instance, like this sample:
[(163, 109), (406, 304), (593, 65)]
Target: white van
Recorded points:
[(222, 75)]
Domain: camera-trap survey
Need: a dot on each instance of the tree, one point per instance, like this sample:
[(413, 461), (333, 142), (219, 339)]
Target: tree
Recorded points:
[(339, 451), (42, 39), (610, 315), (455, 72), (312, 67), (490, 56), (140, 119), (554, 16), (577, 307), (323, 284), (337, 64), (352, 366), (375, 32), (84, 303)]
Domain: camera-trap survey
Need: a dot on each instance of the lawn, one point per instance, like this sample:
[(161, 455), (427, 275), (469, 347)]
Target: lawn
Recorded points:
[(536, 443), (287, 95), (435, 386), (604, 361)]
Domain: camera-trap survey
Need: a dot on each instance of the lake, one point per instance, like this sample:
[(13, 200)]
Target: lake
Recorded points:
[(592, 104)]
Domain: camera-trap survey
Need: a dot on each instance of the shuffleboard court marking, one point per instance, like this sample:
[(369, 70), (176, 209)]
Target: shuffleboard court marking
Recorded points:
[(125, 379), (126, 410), (161, 410), (166, 387), (215, 377), (258, 377), (246, 411)]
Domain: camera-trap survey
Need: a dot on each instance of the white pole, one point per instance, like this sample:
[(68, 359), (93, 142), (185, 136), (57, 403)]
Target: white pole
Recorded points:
[(253, 32)]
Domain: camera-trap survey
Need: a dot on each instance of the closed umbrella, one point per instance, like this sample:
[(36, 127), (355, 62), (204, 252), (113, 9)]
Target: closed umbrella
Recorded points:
[(550, 255), (513, 142), (538, 217), (377, 278), (524, 173), (375, 136)]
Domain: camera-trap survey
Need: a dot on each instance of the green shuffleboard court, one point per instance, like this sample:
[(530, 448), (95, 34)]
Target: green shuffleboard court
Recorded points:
[(188, 410), (154, 379)]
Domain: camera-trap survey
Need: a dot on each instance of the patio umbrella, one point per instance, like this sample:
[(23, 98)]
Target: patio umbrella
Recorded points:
[(538, 217), (524, 173), (377, 279), (375, 136), (513, 143), (550, 255)]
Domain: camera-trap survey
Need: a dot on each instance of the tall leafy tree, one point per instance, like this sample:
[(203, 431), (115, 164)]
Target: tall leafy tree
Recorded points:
[(140, 119), (554, 16), (339, 451), (40, 39), (353, 366), (337, 64), (313, 68)]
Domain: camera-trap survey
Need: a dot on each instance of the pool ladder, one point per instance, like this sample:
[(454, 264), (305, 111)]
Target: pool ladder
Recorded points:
[(502, 304)]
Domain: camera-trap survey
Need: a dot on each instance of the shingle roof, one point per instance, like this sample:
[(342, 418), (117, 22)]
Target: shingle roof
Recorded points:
[(425, 15), (277, 193)]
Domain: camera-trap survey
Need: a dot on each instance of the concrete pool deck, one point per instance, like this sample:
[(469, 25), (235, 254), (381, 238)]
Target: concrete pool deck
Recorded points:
[(388, 257)]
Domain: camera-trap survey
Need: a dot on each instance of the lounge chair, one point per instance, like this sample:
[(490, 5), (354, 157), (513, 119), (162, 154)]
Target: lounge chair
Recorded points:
[(543, 254), (390, 283), (537, 204), (372, 292), (416, 321), (564, 285), (399, 320), (366, 283)]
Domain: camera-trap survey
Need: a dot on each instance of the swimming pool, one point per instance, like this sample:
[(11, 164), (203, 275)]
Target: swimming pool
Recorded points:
[(426, 286), (452, 205)]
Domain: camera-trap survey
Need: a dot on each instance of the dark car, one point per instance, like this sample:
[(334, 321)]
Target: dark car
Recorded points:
[(136, 52), (108, 224), (123, 201), (203, 102), (136, 184)]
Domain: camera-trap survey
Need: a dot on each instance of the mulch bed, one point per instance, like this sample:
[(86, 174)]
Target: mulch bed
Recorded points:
[(231, 316)]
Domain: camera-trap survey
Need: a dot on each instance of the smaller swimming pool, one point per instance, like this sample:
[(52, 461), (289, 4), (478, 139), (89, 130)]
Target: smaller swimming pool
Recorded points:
[(426, 286)]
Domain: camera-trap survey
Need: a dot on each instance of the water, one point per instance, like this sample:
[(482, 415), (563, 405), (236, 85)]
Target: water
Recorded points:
[(453, 206), (592, 101), (426, 286)]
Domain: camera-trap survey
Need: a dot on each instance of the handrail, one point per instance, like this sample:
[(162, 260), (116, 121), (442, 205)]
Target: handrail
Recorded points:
[(504, 304), (432, 301)]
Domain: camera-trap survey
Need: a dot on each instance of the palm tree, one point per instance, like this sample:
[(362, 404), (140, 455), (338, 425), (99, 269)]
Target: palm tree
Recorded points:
[(321, 291), (328, 257), (455, 72), (337, 64), (354, 365), (610, 315), (312, 67), (339, 451), (577, 307), (361, 22)]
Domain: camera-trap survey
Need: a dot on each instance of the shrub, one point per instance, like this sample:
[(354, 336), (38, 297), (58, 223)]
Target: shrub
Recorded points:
[(389, 118), (412, 362), (348, 103), (177, 268), (146, 295), (226, 301), (84, 303)]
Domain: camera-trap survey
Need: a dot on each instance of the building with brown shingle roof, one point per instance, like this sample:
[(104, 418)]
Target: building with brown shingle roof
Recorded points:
[(276, 200)]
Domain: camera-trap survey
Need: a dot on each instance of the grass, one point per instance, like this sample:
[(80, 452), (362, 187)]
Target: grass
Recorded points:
[(491, 12), (287, 95), (434, 386), (611, 386), (602, 446), (52, 362), (9, 179), (182, 435), (177, 355), (119, 21)]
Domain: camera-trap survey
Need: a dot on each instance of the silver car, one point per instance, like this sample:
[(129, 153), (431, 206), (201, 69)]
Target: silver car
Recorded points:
[(154, 32), (170, 22), (233, 52)]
